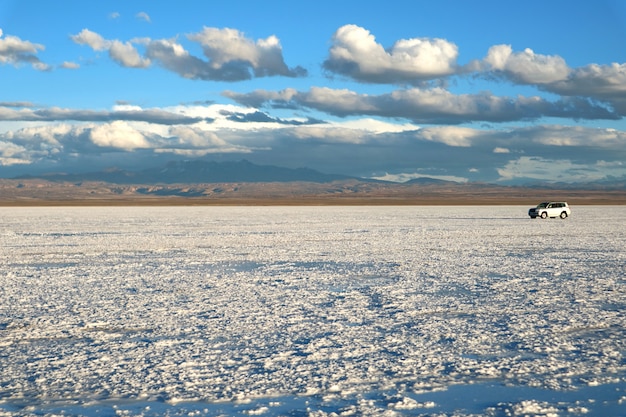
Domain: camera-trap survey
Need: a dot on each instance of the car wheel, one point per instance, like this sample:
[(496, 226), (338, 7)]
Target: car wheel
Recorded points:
[(544, 215), (563, 215)]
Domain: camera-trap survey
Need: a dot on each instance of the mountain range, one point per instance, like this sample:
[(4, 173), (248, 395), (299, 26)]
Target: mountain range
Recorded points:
[(243, 182), (197, 171)]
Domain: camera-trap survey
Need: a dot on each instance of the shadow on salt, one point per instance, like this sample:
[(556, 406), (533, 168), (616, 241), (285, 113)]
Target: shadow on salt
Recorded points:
[(488, 398)]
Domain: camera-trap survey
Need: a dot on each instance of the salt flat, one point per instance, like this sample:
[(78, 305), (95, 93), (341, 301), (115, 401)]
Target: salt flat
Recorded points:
[(312, 311)]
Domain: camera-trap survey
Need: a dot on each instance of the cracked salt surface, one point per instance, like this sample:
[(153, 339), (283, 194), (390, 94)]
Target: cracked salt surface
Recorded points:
[(312, 311)]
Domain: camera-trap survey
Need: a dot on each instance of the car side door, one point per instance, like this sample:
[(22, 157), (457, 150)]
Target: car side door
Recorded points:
[(552, 209)]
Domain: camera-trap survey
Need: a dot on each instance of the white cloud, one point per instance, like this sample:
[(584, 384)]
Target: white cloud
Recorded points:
[(527, 67), (16, 51), (34, 143), (374, 126), (576, 136), (120, 135), (407, 176), (359, 146), (47, 136), (201, 141), (126, 108), (231, 55), (58, 141), (433, 105), (329, 134), (229, 47), (551, 73), (124, 53), (356, 53), (12, 154), (157, 116), (70, 65), (556, 170), (173, 56), (450, 135), (258, 98), (225, 45), (143, 16), (91, 39), (601, 81), (341, 101), (195, 137), (127, 55)]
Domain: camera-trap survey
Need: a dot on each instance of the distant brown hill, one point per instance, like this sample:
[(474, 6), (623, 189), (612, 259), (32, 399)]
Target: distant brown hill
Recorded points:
[(25, 192), (242, 182)]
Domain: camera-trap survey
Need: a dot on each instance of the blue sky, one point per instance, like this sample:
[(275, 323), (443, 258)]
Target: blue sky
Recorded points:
[(492, 91)]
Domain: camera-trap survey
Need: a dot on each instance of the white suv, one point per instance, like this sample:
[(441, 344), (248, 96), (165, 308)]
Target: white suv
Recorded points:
[(550, 209)]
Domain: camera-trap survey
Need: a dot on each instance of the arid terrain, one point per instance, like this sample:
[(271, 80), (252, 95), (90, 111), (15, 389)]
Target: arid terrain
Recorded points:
[(33, 192)]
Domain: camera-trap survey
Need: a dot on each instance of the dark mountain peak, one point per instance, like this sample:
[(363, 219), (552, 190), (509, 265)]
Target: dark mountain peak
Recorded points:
[(200, 171), (429, 181)]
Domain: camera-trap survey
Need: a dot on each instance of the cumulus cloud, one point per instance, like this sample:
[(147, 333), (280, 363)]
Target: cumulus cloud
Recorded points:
[(16, 104), (590, 92), (260, 98), (556, 170), (435, 105), (594, 90), (575, 136), (16, 51), (331, 134), (229, 51), (356, 54), (32, 144), (441, 151), (355, 146), (124, 53), (408, 176), (127, 55), (58, 142), (51, 136), (551, 73), (92, 39), (70, 65), (12, 154), (261, 117), (450, 135), (191, 141), (603, 83), (230, 55), (526, 67), (534, 139), (173, 56), (118, 134), (49, 142), (158, 116)]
